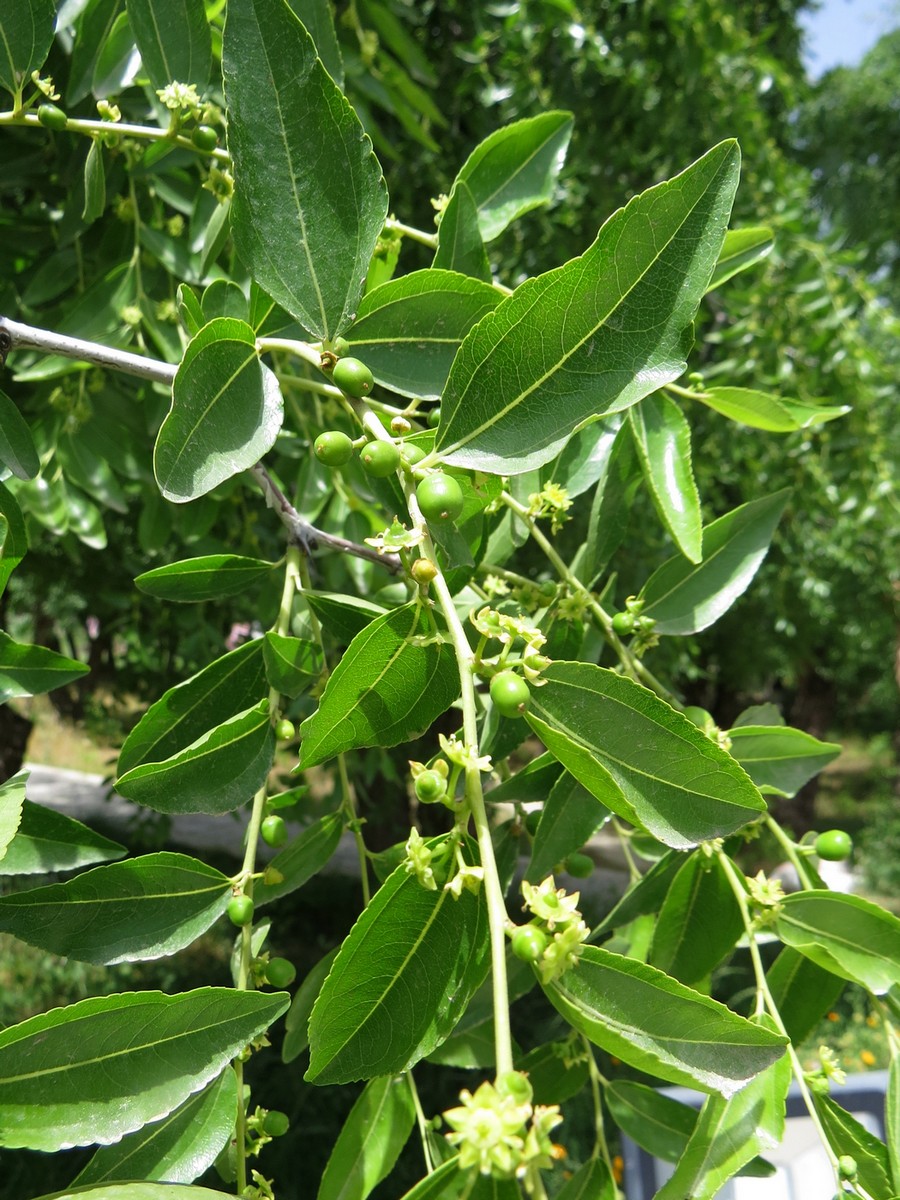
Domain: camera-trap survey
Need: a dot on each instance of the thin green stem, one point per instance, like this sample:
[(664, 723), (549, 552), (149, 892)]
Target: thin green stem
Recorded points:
[(601, 1146), (421, 1121), (297, 348), (633, 869), (92, 128), (348, 804), (790, 849), (296, 383), (416, 235), (683, 392)]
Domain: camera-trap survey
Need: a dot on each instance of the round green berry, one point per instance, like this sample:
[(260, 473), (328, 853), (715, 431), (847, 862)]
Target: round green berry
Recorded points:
[(285, 731), (623, 624), (847, 1166), (240, 910), (280, 973), (52, 117), (411, 453), (380, 459), (834, 845), (529, 943), (430, 786), (510, 694), (205, 138), (276, 1123), (440, 498), (274, 831), (434, 417), (353, 377), (341, 347), (698, 716), (423, 570), (333, 448), (579, 865)]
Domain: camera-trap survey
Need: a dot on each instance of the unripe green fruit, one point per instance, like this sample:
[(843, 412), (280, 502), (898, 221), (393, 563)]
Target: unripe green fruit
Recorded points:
[(847, 1166), (353, 377), (430, 786), (697, 716), (532, 820), (645, 624), (280, 973), (623, 624), (440, 498), (510, 694), (52, 117), (579, 865), (411, 453), (285, 731), (274, 831), (205, 138), (240, 910), (333, 448), (434, 417), (529, 943), (834, 846), (341, 347), (276, 1123), (423, 570), (380, 459)]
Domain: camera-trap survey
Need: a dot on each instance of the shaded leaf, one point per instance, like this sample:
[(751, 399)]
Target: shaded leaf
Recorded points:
[(370, 1140), (27, 670), (803, 992), (291, 663), (94, 183), (212, 577), (53, 1067), (656, 1122), (644, 896), (343, 616), (594, 336), (12, 800), (849, 1136), (683, 598), (638, 756), (17, 450), (296, 1025), (316, 15), (302, 858), (226, 412), (698, 923), (460, 244), (571, 815), (26, 34), (610, 507), (305, 234), (174, 40), (591, 1182), (13, 537), (47, 841)]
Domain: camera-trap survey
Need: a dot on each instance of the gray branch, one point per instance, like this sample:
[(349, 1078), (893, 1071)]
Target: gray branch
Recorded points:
[(16, 336)]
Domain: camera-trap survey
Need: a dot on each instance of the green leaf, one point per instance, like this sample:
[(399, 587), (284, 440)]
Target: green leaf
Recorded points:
[(729, 1133), (849, 936), (13, 536), (179, 1148), (698, 923), (144, 908), (803, 992), (515, 169), (26, 35), (646, 895), (533, 782), (892, 1120), (663, 440), (443, 1184), (27, 670), (12, 800), (143, 1052), (683, 598), (656, 1122), (306, 234), (212, 577), (594, 336), (226, 412), (47, 842), (638, 756), (611, 505), (17, 450), (215, 774), (343, 616), (370, 1141), (780, 757), (302, 858), (571, 815), (657, 1025), (460, 244), (772, 413), (554, 1077), (174, 40), (139, 1191), (408, 331), (296, 1025), (391, 683), (849, 1136), (185, 712), (741, 249), (591, 1182), (92, 29), (585, 458), (291, 663), (94, 183), (401, 981), (316, 15)]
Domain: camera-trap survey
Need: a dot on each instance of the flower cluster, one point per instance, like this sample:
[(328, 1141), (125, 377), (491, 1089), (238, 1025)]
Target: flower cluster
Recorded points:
[(766, 895), (500, 1132), (397, 538), (558, 914), (552, 501)]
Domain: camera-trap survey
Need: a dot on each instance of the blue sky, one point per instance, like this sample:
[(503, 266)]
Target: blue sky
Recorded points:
[(841, 31)]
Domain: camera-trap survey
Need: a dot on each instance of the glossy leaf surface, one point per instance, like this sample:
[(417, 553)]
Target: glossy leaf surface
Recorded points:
[(639, 757), (656, 1122), (143, 1052), (401, 981), (306, 234), (179, 1148), (291, 663), (144, 908), (13, 536), (27, 670), (780, 757), (741, 249), (26, 34), (12, 800), (226, 412), (663, 440), (212, 577), (571, 815), (17, 450), (653, 1023), (47, 841), (683, 598), (460, 244), (698, 923), (803, 991), (370, 1140), (844, 934), (392, 682), (174, 40), (592, 1182), (852, 1137), (594, 336), (775, 414)]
